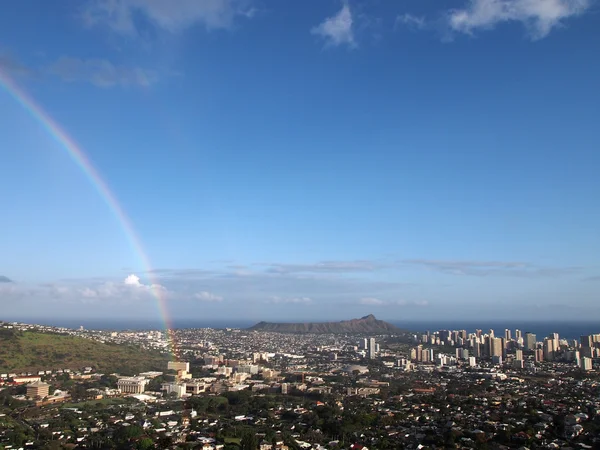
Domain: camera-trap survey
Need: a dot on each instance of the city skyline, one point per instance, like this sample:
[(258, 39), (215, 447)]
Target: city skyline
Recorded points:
[(256, 160)]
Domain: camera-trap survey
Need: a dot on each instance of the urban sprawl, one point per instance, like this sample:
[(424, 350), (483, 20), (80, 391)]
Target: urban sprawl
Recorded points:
[(240, 389)]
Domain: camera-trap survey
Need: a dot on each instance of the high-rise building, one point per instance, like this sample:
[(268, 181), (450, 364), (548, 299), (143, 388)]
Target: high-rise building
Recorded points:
[(556, 339), (586, 341), (530, 341), (519, 354), (372, 349), (586, 363), (518, 334), (548, 349), (496, 347), (539, 355), (507, 334), (491, 333)]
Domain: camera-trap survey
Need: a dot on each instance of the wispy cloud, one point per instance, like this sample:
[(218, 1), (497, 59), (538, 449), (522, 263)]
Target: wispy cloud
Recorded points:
[(539, 16), (101, 72), (484, 268), (594, 278), (410, 21), (337, 30), (287, 300), (206, 296), (326, 267), (172, 16), (12, 65), (372, 301)]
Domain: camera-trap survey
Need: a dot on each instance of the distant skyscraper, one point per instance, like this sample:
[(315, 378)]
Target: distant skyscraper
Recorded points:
[(507, 334), (491, 333), (496, 347), (549, 349), (586, 341), (518, 334), (519, 354), (530, 341), (539, 355), (586, 363), (556, 339), (371, 350)]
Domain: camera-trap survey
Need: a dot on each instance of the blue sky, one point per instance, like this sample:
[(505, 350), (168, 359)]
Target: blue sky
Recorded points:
[(304, 160)]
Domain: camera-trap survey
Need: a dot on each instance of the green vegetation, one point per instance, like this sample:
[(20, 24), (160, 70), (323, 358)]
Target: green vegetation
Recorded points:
[(33, 351)]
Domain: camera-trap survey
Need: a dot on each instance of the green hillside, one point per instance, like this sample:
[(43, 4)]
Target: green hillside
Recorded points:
[(33, 351)]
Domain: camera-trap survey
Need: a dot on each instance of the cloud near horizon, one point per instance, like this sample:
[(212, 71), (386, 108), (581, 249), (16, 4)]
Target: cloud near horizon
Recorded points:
[(371, 301), (484, 268)]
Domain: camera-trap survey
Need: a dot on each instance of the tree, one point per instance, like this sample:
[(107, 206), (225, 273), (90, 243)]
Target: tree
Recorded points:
[(145, 444), (249, 441)]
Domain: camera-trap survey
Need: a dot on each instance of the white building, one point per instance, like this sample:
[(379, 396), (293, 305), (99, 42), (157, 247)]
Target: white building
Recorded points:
[(371, 349), (132, 385)]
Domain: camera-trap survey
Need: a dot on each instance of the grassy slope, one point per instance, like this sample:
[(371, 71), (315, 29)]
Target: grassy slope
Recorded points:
[(32, 351)]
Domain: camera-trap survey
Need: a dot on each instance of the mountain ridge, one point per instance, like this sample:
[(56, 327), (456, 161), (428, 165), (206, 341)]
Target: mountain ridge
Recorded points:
[(366, 324)]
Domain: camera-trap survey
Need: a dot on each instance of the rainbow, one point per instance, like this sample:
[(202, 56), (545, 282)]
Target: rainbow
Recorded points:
[(81, 160)]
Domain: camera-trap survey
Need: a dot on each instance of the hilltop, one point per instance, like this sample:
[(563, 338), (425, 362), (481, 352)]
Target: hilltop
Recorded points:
[(32, 351), (367, 324)]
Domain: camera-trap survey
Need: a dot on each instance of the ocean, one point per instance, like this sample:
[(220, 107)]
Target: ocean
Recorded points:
[(565, 329)]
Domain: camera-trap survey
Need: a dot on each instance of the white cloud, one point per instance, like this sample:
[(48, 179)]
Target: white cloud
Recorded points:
[(101, 72), (411, 21), (169, 15), (337, 30), (371, 301), (539, 16), (207, 297), (132, 280)]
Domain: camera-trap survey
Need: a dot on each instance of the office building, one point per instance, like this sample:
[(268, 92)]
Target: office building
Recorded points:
[(132, 385), (586, 363), (178, 389), (530, 341), (519, 354), (586, 341), (548, 349), (247, 368), (518, 334), (539, 355), (507, 334), (518, 363), (178, 365), (38, 389), (556, 339), (372, 349), (496, 347), (472, 361)]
